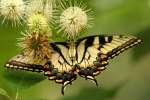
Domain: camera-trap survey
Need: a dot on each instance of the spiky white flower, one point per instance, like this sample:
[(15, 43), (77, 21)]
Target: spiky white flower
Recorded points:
[(44, 7), (12, 10), (34, 6), (74, 18), (35, 46), (38, 23)]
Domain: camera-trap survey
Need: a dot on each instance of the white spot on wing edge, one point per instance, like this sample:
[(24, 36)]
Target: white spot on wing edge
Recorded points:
[(7, 65)]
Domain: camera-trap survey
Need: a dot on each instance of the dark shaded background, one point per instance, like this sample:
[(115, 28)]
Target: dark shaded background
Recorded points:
[(126, 78)]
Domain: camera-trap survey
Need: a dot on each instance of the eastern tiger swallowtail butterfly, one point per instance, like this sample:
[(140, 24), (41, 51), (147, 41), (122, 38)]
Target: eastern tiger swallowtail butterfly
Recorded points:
[(86, 57)]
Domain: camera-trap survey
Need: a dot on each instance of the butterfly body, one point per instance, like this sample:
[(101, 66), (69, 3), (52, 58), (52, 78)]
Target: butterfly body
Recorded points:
[(86, 57)]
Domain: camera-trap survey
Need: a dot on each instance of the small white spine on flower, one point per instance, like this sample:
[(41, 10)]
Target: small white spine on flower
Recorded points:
[(12, 10), (48, 9)]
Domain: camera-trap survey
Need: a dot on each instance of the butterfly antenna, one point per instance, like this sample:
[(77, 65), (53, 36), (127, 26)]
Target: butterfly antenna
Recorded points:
[(64, 86), (92, 79)]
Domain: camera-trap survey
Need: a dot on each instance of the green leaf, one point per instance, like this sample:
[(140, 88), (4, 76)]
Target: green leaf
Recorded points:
[(95, 93), (23, 79), (144, 48), (4, 93)]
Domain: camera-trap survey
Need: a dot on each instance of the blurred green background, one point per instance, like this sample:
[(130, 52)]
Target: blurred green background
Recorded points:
[(127, 76)]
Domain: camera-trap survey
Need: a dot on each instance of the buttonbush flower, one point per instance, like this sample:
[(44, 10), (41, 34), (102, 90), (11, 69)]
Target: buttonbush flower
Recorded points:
[(38, 23), (12, 10), (44, 7), (35, 46), (74, 18)]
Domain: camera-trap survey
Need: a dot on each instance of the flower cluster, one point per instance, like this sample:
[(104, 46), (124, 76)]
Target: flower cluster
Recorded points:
[(18, 11), (68, 16)]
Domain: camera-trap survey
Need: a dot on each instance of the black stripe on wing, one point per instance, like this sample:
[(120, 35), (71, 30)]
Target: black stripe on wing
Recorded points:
[(123, 47), (58, 50), (114, 45), (88, 42), (104, 39), (23, 66)]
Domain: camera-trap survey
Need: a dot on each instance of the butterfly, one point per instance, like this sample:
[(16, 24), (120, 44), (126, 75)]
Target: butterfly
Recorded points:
[(86, 57)]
